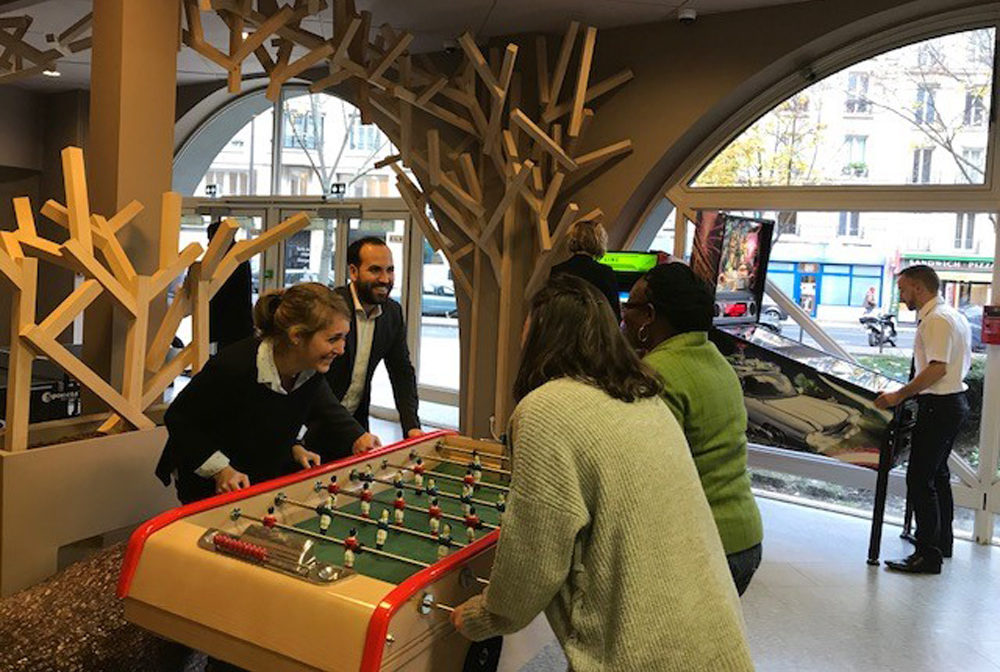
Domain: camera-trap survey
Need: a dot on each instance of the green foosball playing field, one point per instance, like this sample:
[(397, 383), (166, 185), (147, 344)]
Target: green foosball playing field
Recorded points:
[(399, 543)]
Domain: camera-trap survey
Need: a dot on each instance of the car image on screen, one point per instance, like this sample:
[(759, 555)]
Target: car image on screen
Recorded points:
[(779, 414)]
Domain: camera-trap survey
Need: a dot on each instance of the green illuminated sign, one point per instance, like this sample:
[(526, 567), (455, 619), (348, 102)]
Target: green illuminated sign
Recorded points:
[(633, 262)]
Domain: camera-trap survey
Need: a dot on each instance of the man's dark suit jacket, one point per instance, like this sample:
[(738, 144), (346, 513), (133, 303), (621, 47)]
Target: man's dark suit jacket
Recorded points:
[(594, 272), (389, 344)]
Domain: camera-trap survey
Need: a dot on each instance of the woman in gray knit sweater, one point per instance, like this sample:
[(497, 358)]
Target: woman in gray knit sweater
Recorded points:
[(607, 528)]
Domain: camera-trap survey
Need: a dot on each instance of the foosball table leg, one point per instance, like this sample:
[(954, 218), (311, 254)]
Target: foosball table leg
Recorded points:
[(878, 514)]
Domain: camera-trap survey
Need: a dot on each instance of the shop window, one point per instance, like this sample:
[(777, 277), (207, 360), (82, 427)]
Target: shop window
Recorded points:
[(857, 94), (912, 100), (922, 165), (965, 230), (973, 164), (850, 225)]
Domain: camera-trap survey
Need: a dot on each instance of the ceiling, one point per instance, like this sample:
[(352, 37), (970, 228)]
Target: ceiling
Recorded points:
[(435, 24)]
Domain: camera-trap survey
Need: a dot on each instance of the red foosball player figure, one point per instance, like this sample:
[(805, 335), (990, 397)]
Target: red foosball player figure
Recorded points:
[(333, 489), (366, 500), (470, 479), (400, 507), (434, 512), (351, 546), (471, 524), (270, 520), (418, 475)]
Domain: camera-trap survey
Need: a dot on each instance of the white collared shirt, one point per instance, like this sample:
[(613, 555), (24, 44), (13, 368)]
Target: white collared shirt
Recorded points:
[(943, 335), (268, 376), (364, 334)]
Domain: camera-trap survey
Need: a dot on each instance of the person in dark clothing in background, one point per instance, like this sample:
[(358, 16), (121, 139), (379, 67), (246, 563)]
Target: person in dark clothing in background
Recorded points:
[(587, 242), (378, 332), (230, 311)]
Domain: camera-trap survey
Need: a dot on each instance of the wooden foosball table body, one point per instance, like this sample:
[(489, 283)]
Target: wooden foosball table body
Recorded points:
[(269, 592)]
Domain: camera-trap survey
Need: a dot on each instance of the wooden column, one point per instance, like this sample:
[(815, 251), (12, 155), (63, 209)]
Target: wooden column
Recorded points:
[(130, 149)]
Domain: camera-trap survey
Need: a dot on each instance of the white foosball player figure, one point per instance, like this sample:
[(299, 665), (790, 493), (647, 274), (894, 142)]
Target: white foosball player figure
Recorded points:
[(434, 513), (326, 515), (351, 547), (418, 475), (471, 523), (399, 504), (444, 542), (501, 503), (366, 500), (383, 530)]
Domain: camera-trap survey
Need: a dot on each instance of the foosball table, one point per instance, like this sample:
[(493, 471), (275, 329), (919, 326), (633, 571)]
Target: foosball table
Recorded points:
[(353, 565)]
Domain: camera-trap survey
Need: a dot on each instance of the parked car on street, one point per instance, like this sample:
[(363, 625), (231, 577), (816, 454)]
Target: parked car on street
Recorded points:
[(438, 305), (974, 314)]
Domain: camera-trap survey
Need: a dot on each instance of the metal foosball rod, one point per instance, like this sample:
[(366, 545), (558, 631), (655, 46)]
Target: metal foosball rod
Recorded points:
[(322, 537), (442, 445), (418, 509), (281, 499), (440, 493), (496, 470), (446, 477)]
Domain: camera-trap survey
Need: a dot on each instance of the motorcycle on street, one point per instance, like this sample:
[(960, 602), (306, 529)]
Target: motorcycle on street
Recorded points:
[(881, 329)]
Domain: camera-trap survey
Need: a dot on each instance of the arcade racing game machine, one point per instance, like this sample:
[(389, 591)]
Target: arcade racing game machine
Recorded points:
[(630, 266), (797, 397)]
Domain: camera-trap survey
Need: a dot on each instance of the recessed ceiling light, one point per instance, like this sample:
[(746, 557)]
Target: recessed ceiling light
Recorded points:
[(51, 73)]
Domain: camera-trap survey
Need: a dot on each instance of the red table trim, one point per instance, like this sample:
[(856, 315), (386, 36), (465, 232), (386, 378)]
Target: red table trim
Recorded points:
[(378, 626), (144, 531)]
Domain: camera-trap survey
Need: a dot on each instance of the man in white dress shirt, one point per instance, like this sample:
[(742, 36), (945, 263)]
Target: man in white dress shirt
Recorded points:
[(942, 354)]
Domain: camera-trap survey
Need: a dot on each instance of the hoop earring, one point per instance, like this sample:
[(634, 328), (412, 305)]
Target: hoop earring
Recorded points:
[(643, 336)]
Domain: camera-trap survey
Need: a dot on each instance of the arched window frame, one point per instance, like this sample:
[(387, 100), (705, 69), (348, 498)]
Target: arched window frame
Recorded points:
[(978, 489)]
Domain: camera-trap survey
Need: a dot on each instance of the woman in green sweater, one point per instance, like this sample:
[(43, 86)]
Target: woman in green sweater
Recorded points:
[(607, 528), (667, 316)]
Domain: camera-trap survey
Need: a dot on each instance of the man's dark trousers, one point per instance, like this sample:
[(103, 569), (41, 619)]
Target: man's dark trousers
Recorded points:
[(928, 480)]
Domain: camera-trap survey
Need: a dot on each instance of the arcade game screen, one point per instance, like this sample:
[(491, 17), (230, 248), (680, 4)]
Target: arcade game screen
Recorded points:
[(629, 267)]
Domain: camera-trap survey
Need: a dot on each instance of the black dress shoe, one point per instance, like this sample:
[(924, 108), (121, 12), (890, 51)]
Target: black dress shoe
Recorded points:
[(918, 563)]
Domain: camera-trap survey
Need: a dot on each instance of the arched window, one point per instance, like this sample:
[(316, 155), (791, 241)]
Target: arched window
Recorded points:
[(319, 147), (914, 115), (882, 164)]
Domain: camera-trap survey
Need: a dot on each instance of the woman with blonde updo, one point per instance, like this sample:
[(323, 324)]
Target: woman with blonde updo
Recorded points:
[(239, 421), (587, 242)]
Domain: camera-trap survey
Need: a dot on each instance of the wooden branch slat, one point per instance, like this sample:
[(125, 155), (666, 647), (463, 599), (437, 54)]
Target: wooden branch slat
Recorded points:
[(466, 199), (165, 375), (453, 213), (573, 143), (538, 135), (11, 270), (135, 346), (412, 199), (397, 49), (471, 177), (201, 294), (604, 153), (247, 249), (124, 216), (47, 251), (583, 76), (513, 188), (595, 91), (432, 90), (475, 57), (77, 203), (10, 245), (118, 261), (340, 53), (170, 227), (263, 31), (160, 345), (22, 311), (464, 250), (385, 161), (74, 250), (283, 70), (507, 68), (24, 216), (67, 310), (328, 81), (167, 274), (565, 51), (86, 377), (434, 157), (542, 63)]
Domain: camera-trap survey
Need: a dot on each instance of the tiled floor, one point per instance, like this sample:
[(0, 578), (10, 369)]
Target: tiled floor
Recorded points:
[(816, 606)]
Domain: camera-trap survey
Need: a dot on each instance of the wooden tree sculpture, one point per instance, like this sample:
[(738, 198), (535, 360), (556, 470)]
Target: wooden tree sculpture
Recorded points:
[(483, 151), (19, 59), (132, 294)]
